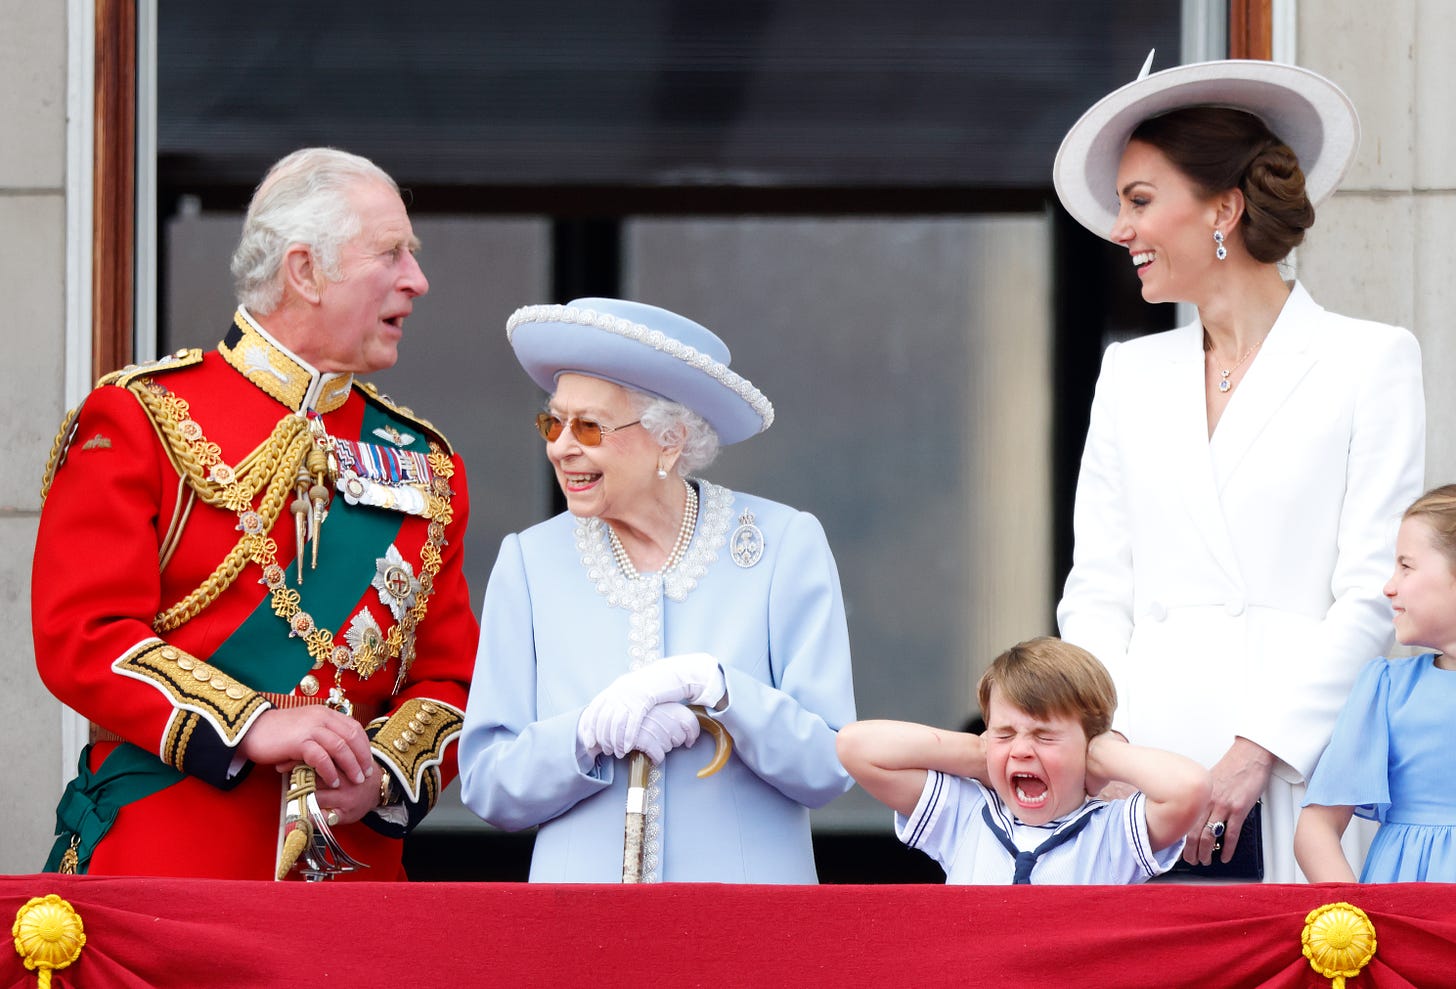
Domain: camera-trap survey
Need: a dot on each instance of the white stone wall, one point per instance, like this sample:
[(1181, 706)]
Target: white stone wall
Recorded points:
[(1383, 247), (33, 60)]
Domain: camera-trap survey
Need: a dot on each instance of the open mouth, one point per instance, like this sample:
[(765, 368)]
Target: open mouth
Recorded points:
[(579, 482), (1142, 259), (1030, 790)]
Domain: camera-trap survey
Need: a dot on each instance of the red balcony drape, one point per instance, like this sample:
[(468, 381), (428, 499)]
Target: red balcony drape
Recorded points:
[(172, 932)]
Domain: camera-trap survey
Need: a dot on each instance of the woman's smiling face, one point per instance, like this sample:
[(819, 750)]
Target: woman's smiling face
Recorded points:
[(610, 479), (1037, 766), (1166, 224)]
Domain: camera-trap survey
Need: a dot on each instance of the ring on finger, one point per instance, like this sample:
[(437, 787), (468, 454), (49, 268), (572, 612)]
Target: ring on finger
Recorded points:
[(332, 818), (1215, 828)]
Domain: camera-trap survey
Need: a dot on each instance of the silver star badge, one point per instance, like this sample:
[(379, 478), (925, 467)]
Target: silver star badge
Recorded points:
[(395, 581)]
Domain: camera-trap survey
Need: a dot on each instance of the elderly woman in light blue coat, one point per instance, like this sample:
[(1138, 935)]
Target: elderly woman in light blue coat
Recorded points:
[(655, 590)]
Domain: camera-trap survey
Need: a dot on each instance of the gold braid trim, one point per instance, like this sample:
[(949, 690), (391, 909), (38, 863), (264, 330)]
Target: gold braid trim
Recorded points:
[(179, 735), (270, 468), (59, 447), (233, 488), (172, 362), (196, 688), (274, 465), (232, 565), (411, 743), (430, 788)]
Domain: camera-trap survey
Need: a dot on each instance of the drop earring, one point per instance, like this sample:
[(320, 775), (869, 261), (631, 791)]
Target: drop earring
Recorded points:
[(1219, 251), (661, 473)]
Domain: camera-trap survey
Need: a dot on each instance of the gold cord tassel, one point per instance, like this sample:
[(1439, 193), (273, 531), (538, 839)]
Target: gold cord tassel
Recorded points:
[(301, 509), (318, 494), (297, 826)]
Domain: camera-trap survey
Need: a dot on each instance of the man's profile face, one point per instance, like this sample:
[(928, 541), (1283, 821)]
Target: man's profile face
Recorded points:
[(363, 312)]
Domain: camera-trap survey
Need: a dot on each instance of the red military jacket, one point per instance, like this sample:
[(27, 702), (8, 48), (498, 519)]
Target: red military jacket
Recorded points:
[(166, 605)]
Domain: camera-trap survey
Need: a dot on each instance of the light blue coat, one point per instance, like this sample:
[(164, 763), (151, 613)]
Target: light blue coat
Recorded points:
[(560, 623)]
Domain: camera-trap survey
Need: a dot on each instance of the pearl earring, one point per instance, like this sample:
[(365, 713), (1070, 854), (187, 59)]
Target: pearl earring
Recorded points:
[(1220, 251), (661, 473)]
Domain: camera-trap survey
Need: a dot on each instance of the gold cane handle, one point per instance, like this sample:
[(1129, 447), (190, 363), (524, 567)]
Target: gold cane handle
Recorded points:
[(722, 742)]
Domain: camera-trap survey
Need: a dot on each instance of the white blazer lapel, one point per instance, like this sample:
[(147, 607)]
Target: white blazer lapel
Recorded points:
[(1282, 362), (1185, 444)]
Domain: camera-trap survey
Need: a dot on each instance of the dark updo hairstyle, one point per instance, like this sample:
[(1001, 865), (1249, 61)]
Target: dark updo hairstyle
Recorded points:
[(1218, 149)]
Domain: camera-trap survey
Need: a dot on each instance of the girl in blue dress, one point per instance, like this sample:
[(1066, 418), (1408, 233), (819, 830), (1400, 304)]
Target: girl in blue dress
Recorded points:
[(1389, 759)]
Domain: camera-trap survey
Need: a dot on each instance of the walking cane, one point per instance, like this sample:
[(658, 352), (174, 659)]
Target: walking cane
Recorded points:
[(637, 770)]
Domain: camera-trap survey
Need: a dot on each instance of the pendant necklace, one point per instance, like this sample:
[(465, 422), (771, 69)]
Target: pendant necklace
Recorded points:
[(1224, 384)]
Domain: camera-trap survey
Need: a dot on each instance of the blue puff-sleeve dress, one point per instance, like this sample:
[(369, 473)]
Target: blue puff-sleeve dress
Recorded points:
[(1390, 759)]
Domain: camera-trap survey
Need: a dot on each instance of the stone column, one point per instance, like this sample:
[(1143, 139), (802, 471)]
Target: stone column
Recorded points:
[(33, 80), (1382, 248)]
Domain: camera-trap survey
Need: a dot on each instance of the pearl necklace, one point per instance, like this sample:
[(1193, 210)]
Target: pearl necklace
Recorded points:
[(679, 548), (1224, 384)]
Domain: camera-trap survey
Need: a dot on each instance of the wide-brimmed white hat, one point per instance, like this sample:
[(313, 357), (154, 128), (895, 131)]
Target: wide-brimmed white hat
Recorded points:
[(1303, 109), (643, 347)]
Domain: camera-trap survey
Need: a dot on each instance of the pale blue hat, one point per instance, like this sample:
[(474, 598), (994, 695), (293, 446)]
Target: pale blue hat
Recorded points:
[(642, 347)]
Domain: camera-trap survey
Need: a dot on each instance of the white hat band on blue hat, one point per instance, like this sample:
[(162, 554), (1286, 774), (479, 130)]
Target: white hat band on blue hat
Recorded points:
[(632, 353)]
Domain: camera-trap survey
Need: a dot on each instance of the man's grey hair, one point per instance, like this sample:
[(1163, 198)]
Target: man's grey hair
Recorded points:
[(302, 200)]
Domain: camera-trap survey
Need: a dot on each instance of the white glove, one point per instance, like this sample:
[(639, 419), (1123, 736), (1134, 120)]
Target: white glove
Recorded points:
[(664, 728), (611, 721)]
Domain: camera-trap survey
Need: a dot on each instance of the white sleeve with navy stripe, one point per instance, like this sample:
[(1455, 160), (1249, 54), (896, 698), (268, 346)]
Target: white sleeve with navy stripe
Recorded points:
[(947, 825)]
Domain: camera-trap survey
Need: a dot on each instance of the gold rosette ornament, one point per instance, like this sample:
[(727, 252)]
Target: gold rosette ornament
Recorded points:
[(1339, 940), (48, 935)]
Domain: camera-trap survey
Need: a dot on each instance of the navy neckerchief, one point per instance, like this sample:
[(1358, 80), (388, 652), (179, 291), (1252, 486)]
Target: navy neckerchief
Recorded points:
[(1026, 861)]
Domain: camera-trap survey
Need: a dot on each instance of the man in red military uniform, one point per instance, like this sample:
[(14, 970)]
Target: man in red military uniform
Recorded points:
[(249, 561)]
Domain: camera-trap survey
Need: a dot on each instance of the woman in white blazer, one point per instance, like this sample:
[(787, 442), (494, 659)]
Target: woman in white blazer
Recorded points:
[(1243, 475)]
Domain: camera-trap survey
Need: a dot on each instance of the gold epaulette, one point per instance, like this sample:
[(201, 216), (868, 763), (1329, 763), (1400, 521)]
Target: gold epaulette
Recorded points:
[(122, 377), (372, 393), (187, 357)]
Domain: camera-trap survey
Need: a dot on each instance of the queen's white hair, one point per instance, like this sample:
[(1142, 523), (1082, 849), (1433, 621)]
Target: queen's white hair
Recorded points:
[(302, 200), (670, 423)]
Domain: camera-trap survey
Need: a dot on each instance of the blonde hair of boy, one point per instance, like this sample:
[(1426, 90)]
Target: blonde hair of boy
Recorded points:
[(1047, 677)]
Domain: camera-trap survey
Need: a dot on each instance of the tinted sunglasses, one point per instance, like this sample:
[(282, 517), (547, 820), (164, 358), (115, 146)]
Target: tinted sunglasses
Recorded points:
[(588, 432)]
